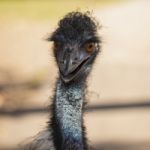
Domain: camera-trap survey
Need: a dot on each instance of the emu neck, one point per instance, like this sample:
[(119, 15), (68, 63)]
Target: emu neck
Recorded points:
[(68, 107)]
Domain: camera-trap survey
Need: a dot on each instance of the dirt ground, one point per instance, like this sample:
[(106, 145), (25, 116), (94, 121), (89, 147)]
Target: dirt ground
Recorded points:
[(121, 75)]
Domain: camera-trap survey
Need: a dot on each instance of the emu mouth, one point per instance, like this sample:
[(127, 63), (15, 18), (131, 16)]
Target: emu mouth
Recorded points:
[(76, 72)]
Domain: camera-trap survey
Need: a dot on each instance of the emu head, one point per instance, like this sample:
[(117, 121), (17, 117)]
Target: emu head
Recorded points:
[(76, 45)]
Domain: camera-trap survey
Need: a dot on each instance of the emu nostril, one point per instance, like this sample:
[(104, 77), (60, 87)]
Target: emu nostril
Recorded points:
[(75, 61), (76, 58)]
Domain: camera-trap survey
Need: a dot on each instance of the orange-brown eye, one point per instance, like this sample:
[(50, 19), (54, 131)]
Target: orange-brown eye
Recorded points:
[(90, 47), (56, 45)]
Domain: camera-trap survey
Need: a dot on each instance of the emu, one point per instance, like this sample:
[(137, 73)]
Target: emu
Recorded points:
[(75, 46)]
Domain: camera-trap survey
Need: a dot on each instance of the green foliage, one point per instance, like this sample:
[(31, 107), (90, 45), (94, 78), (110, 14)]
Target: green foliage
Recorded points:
[(38, 9)]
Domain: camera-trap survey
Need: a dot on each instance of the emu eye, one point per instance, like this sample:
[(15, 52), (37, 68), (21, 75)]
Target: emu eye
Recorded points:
[(56, 45), (90, 47)]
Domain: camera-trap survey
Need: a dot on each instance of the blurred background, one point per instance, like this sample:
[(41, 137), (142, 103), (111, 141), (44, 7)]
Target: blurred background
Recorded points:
[(118, 113)]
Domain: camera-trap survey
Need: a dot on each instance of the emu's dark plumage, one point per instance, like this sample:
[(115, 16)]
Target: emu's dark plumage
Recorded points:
[(75, 26), (74, 31), (76, 45)]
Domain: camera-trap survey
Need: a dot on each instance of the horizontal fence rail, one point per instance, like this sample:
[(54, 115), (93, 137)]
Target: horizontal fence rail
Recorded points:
[(93, 108)]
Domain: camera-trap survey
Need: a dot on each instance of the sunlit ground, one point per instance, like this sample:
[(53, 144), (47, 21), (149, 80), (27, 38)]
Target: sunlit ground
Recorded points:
[(120, 76)]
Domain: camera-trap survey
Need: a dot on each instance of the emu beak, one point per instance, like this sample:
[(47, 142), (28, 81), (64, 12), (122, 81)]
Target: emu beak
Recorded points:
[(72, 66)]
